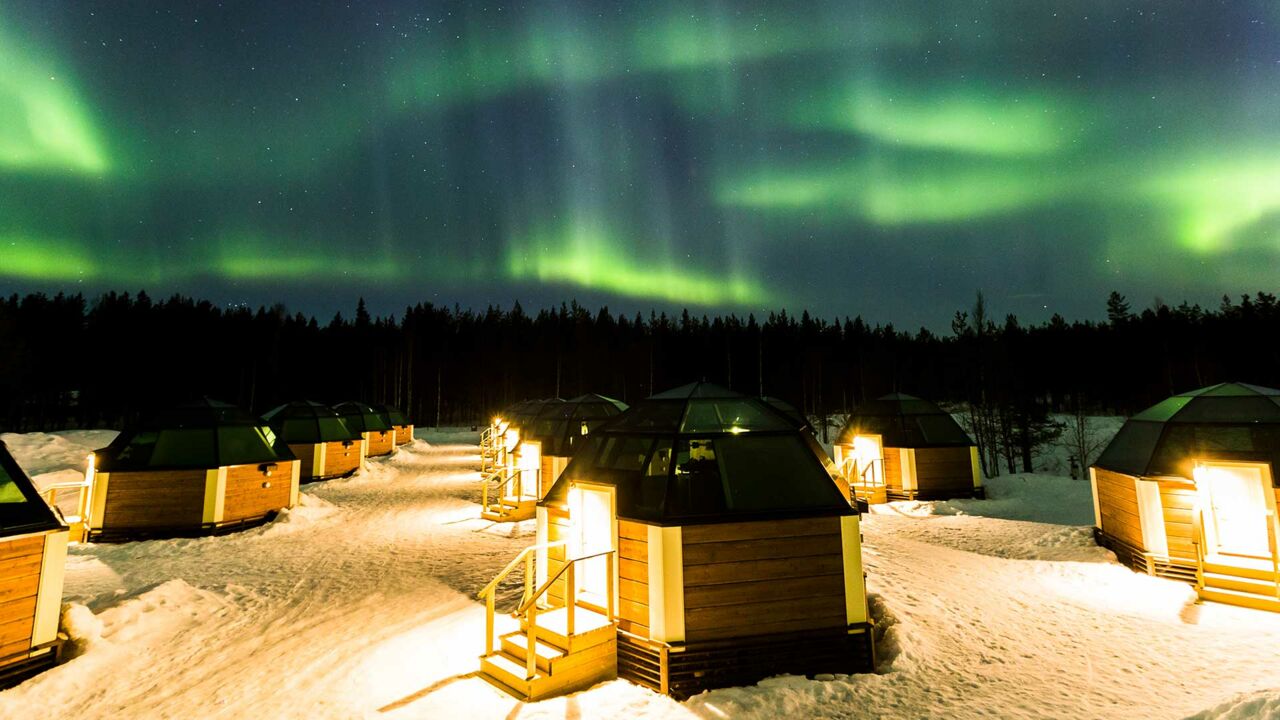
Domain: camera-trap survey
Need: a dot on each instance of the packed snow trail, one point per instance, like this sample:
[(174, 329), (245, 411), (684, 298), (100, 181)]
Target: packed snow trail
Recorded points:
[(360, 604), (306, 616)]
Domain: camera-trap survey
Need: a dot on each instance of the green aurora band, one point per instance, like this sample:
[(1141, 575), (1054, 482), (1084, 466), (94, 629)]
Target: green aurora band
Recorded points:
[(654, 152)]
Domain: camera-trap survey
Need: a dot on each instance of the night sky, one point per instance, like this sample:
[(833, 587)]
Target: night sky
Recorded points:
[(883, 158)]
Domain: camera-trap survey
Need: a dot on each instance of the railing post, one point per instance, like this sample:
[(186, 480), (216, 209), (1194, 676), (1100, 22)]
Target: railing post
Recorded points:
[(1198, 540), (531, 650), (488, 625), (528, 577), (571, 599), (1275, 560)]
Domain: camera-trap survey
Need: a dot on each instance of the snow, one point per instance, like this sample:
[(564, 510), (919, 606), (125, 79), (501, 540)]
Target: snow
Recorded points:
[(360, 603)]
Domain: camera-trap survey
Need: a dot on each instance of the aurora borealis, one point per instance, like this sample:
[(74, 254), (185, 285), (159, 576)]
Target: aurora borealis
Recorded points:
[(882, 158)]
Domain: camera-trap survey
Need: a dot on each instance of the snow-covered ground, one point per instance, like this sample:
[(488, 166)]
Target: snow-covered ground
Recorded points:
[(360, 603)]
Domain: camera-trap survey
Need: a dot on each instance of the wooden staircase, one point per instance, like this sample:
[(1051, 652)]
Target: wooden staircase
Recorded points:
[(562, 662), (863, 482), (557, 650), (504, 499), (504, 510), (1252, 582), (1240, 581), (78, 520)]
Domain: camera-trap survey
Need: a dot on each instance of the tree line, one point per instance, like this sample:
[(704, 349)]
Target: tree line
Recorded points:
[(68, 362)]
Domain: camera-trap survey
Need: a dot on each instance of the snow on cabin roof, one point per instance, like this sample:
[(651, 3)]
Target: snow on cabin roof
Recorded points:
[(22, 510), (1227, 421), (699, 455), (904, 421), (305, 421), (205, 434)]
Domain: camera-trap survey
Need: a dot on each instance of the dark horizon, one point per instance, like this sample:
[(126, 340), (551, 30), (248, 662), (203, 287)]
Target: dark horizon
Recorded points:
[(445, 367), (380, 305)]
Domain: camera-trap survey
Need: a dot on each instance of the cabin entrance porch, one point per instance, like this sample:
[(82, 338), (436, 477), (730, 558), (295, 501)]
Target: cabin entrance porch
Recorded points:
[(568, 632), (1236, 534), (512, 490), (862, 466)]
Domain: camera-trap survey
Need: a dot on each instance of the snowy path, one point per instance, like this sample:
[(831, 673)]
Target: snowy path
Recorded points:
[(352, 601), (360, 604)]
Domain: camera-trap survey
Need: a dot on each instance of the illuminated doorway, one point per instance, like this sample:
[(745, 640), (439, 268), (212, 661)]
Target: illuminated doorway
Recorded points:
[(1239, 504), (592, 510), (529, 465), (868, 460)]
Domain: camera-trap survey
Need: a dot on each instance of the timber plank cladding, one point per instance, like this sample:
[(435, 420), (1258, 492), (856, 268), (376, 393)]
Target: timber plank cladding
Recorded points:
[(1118, 505), (380, 442), (754, 578), (633, 578), (943, 469), (154, 499), (31, 578), (340, 458), (159, 503), (20, 562), (252, 492), (403, 434)]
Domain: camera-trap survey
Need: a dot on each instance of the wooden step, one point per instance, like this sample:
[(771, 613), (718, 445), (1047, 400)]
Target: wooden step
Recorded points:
[(1256, 568), (1243, 584), (553, 660), (508, 673), (514, 644), (1242, 599), (506, 511), (590, 628), (872, 495)]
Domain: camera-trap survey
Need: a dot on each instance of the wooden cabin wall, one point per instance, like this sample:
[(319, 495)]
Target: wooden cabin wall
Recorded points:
[(154, 499), (892, 468), (1118, 506), (558, 529), (633, 577), (1178, 501), (550, 469), (20, 562), (381, 442), (246, 498), (945, 468), (306, 453), (756, 578), (339, 459), (404, 434)]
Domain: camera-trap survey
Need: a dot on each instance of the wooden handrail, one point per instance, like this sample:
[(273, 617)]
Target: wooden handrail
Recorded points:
[(489, 592), (1271, 545), (860, 472), (1199, 541), (871, 466), (552, 580), (77, 522), (516, 474), (493, 584), (529, 607)]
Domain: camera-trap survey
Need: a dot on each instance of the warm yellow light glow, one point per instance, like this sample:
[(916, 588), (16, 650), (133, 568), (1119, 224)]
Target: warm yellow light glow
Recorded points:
[(737, 430), (1234, 498), (868, 453)]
